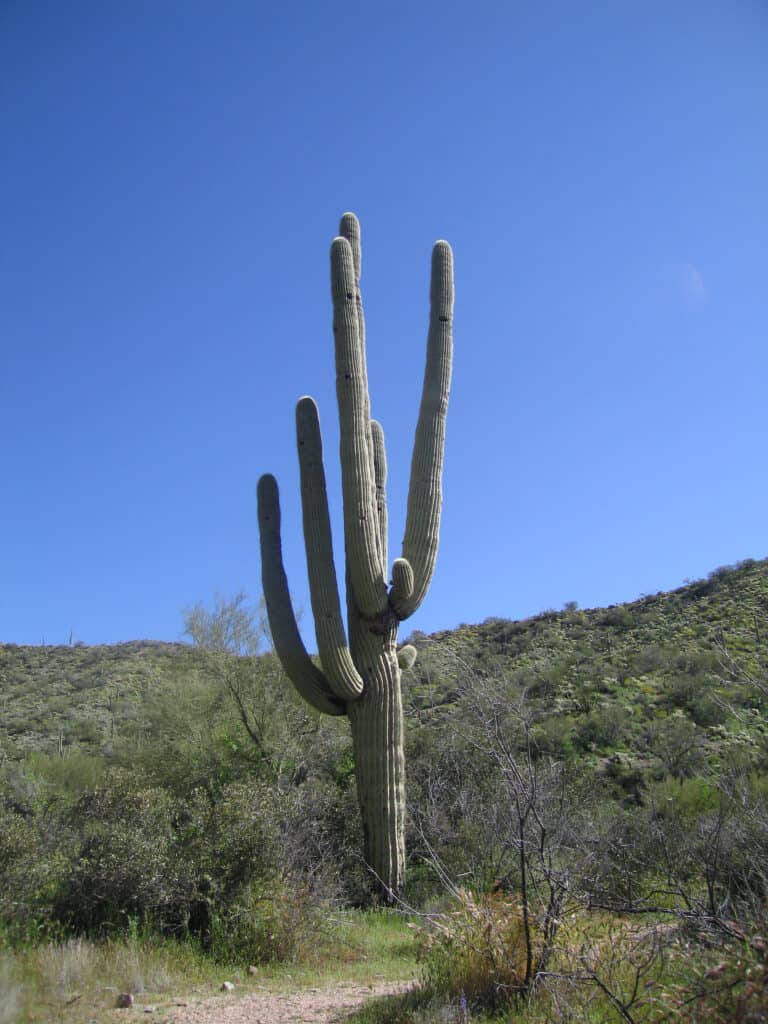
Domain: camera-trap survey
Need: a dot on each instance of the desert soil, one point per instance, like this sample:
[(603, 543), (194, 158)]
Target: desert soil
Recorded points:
[(304, 1006)]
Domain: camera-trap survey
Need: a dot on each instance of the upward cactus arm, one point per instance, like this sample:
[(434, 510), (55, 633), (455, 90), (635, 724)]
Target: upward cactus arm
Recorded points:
[(380, 475), (300, 669), (361, 523), (425, 495), (349, 228), (342, 676)]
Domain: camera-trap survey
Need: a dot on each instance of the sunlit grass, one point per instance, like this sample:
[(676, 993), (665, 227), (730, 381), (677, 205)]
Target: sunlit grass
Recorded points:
[(353, 946), (73, 981)]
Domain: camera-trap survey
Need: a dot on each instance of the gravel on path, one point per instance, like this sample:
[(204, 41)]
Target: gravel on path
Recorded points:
[(328, 1005)]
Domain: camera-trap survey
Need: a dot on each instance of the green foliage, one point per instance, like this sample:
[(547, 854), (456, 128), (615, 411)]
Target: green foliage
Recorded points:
[(274, 921), (204, 796), (603, 729), (678, 745), (127, 864), (731, 990), (477, 950), (230, 627), (76, 980), (686, 800)]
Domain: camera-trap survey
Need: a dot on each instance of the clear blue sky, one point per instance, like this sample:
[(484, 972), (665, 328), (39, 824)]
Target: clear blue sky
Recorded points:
[(172, 174)]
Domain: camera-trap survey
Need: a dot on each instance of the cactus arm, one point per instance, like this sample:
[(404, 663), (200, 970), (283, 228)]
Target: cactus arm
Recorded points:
[(300, 669), (349, 228), (361, 526), (402, 583), (340, 672), (425, 494), (380, 476)]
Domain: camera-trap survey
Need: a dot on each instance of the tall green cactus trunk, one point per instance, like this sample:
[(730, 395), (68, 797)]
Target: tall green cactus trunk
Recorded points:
[(362, 679), (376, 720)]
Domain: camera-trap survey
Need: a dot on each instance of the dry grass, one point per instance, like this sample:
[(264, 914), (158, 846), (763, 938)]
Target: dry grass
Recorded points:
[(70, 981), (78, 980)]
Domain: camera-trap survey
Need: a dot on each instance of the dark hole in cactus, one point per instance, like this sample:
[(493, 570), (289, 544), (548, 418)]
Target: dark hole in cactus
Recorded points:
[(347, 376), (443, 319), (350, 295)]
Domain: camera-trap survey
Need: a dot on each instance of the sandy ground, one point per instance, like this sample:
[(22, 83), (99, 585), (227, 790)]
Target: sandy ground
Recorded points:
[(304, 1006)]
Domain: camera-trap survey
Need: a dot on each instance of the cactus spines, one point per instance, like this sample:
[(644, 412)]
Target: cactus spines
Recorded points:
[(361, 677)]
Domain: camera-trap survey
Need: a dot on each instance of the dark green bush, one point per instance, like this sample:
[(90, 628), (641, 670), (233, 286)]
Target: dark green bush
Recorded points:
[(695, 694), (603, 729), (274, 920), (618, 616), (127, 865), (678, 745)]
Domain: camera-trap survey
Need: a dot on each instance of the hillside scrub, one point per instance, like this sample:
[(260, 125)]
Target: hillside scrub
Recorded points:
[(588, 778)]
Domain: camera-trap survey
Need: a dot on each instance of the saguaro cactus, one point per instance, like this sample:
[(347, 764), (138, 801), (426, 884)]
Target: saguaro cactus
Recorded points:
[(361, 678)]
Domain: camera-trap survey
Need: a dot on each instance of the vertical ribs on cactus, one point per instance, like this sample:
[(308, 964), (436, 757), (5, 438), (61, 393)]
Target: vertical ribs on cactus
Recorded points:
[(360, 668)]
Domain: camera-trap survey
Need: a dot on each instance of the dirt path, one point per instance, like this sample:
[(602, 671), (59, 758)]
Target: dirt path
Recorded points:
[(305, 1006)]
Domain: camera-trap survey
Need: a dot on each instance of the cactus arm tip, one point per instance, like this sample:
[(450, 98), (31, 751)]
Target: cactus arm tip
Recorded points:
[(402, 586), (349, 228)]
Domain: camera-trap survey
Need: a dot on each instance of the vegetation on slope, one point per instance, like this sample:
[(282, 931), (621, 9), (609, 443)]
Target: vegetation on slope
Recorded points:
[(590, 773)]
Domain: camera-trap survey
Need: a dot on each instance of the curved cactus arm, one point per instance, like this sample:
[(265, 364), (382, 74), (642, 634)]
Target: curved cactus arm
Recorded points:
[(380, 476), (361, 525), (425, 494), (300, 669), (402, 585), (340, 672)]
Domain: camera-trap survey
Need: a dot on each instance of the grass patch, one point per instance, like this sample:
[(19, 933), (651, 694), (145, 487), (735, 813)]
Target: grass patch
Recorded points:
[(73, 981), (353, 946), (79, 980)]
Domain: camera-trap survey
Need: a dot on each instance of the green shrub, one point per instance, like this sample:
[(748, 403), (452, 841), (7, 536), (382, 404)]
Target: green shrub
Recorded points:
[(694, 695), (678, 745), (627, 775), (683, 800), (33, 857), (733, 990), (275, 921), (618, 616), (604, 728), (479, 951), (127, 865), (554, 735)]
